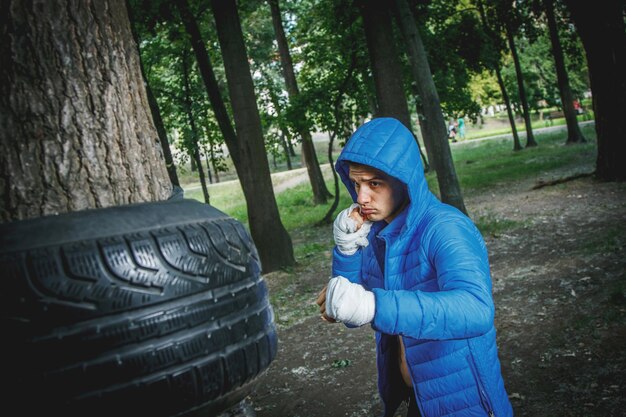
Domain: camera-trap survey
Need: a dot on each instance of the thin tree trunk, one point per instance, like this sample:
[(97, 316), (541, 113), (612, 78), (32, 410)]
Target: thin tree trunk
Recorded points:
[(328, 217), (283, 132), (606, 59), (433, 121), (75, 125), (195, 146), (210, 82), (320, 192), (385, 63), (283, 142), (272, 240), (517, 146), (154, 109), (530, 137), (208, 166), (574, 135)]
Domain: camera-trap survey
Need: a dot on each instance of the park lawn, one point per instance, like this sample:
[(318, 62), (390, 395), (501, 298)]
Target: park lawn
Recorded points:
[(477, 132), (480, 165)]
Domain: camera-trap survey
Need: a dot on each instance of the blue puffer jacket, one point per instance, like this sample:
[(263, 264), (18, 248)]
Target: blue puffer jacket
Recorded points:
[(435, 290)]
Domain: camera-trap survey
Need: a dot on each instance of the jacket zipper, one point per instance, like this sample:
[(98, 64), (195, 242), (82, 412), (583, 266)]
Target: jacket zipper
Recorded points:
[(484, 400)]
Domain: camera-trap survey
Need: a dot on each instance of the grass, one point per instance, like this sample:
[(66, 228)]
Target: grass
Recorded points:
[(479, 165), (489, 163), (494, 226), (478, 132)]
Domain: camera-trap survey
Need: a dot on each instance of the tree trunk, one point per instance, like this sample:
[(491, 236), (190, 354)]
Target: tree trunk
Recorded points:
[(496, 68), (517, 146), (574, 135), (210, 82), (601, 29), (386, 65), (320, 192), (433, 122), (273, 241), (75, 126), (283, 142), (284, 133), (208, 165), (154, 109), (385, 62), (530, 137), (195, 146)]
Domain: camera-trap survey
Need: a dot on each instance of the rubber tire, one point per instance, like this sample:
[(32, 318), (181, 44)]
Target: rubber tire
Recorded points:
[(158, 309)]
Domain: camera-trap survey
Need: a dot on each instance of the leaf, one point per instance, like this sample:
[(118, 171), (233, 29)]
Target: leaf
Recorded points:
[(341, 363)]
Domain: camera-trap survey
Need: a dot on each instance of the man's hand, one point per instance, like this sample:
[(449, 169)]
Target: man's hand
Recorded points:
[(347, 302), (350, 230), (321, 301)]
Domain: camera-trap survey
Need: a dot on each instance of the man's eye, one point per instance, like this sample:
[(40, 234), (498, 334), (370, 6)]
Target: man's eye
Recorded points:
[(374, 184)]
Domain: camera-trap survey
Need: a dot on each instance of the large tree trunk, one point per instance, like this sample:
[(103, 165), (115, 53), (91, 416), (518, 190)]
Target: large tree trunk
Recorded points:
[(530, 137), (601, 29), (320, 192), (574, 135), (193, 143), (249, 157), (75, 126), (273, 242), (433, 122), (385, 63)]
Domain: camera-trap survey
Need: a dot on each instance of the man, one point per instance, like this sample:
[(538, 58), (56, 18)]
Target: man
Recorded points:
[(417, 270)]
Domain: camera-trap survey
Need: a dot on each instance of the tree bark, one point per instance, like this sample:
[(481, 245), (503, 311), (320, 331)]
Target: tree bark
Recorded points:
[(530, 137), (320, 192), (273, 241), (574, 135), (601, 29), (433, 122), (75, 126)]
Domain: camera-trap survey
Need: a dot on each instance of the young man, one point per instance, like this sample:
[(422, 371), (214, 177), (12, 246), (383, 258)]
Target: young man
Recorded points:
[(417, 270)]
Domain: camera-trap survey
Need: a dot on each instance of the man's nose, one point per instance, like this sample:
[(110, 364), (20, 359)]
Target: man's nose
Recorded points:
[(363, 196)]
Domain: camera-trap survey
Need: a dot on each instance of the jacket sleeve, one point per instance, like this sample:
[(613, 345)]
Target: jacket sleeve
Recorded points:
[(462, 307), (348, 266)]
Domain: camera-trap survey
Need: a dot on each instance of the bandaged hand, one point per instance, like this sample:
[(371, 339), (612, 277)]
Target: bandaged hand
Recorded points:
[(349, 303), (347, 233)]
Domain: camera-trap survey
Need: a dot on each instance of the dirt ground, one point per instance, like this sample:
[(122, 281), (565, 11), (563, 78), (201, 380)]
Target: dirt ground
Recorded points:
[(559, 285)]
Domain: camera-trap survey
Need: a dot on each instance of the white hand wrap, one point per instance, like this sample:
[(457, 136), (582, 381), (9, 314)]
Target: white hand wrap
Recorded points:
[(347, 238), (349, 303)]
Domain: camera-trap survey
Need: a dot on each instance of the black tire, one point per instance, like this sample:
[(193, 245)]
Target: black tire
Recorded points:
[(158, 309)]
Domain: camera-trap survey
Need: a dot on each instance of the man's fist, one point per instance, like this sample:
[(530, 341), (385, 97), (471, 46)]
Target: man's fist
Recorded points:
[(349, 303), (350, 230)]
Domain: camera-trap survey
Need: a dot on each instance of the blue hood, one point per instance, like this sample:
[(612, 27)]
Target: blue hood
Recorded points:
[(386, 144)]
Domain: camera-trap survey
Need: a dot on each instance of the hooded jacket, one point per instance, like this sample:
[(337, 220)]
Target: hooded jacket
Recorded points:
[(433, 289)]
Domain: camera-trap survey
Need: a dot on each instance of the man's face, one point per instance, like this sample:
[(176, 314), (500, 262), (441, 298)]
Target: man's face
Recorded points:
[(380, 196)]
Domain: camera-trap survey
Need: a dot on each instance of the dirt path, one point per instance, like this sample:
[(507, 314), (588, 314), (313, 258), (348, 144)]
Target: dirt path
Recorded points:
[(559, 283)]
